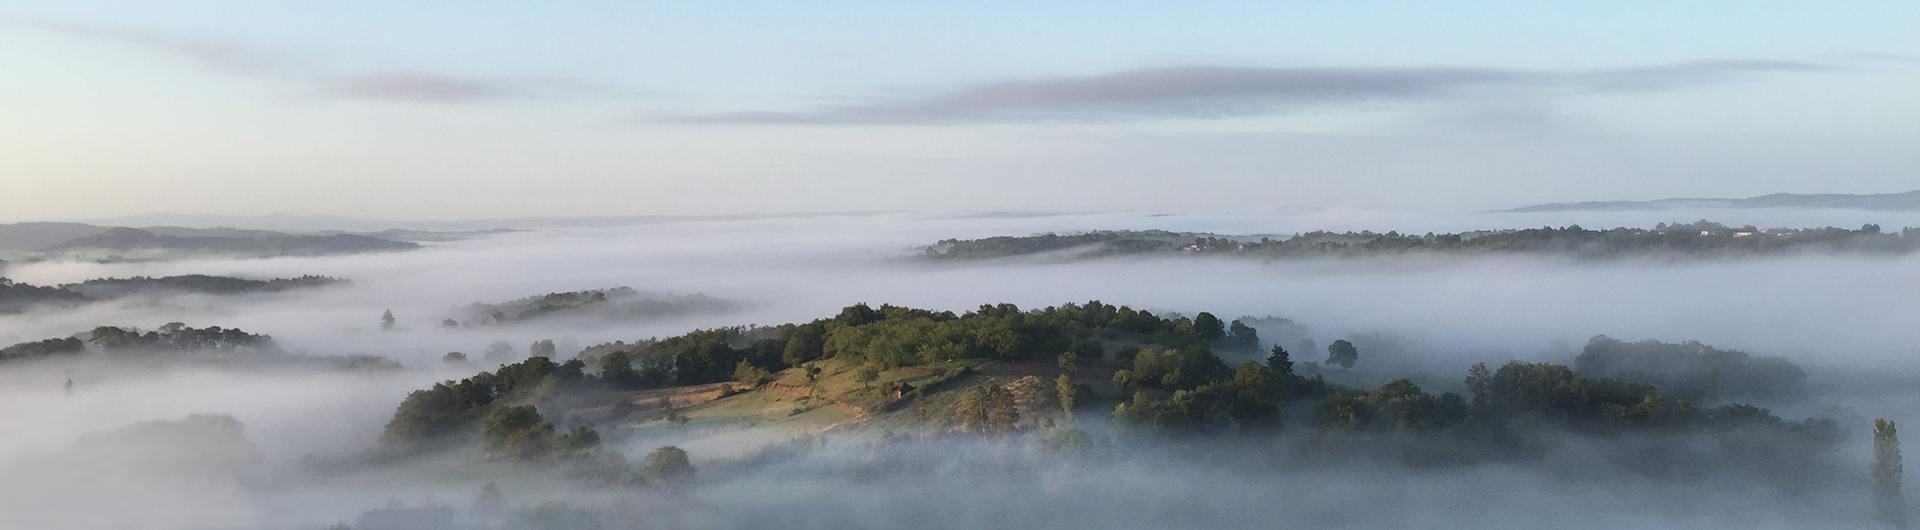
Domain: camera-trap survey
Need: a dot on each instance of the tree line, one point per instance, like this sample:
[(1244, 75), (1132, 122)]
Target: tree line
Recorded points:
[(172, 337), (1700, 238), (17, 297)]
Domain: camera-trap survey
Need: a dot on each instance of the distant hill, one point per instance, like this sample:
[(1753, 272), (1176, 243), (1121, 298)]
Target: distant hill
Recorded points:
[(329, 223), (1909, 201), (250, 243), (27, 240), (19, 297), (31, 241), (104, 288), (433, 236), (36, 236), (275, 222), (176, 342), (1701, 239), (616, 304)]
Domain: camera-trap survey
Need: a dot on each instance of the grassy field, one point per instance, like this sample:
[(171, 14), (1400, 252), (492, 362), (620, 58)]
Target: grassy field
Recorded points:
[(733, 419)]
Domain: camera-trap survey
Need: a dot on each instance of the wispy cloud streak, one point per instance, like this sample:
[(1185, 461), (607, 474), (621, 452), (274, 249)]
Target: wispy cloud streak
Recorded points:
[(234, 57), (1211, 91)]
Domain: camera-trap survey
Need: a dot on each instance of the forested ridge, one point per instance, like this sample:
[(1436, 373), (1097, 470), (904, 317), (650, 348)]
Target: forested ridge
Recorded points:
[(1697, 239), (16, 297), (1166, 379)]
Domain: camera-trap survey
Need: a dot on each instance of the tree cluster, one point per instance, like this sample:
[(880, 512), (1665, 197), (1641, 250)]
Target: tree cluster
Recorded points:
[(44, 348), (453, 407), (1505, 405), (518, 431), (893, 336), (1690, 370), (17, 297), (178, 337), (619, 303)]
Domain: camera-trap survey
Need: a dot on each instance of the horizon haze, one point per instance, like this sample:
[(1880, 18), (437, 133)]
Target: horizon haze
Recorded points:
[(649, 109)]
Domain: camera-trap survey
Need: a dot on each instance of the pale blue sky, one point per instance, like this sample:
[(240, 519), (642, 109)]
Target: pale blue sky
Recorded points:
[(468, 109)]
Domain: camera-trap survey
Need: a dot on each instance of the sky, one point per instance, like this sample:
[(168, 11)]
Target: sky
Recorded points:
[(446, 110)]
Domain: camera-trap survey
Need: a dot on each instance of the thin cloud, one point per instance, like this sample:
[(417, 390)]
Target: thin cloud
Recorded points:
[(1680, 75), (215, 54), (1234, 91), (1882, 57), (417, 86), (250, 60)]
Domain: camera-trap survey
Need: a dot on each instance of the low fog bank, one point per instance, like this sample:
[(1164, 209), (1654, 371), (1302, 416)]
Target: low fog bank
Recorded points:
[(1849, 320), (290, 412), (206, 472), (1846, 316), (177, 444), (1236, 483), (781, 270)]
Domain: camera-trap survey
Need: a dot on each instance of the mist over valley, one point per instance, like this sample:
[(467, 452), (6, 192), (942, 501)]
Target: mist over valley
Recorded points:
[(299, 430), (637, 265)]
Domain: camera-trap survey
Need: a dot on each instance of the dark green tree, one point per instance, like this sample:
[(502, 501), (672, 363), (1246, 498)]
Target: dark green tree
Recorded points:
[(1241, 337), (1208, 327), (1089, 348), (517, 431), (804, 343), (386, 320), (1889, 505), (1279, 362), (1342, 354), (617, 368), (669, 464), (572, 371), (581, 441), (1254, 393), (1480, 384), (857, 315)]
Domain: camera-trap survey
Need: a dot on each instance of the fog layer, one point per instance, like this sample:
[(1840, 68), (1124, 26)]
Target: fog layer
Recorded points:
[(1846, 318)]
